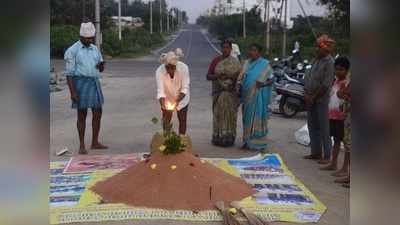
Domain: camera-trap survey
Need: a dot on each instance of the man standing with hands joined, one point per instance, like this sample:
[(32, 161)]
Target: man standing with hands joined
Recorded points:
[(317, 89), (84, 63), (173, 83)]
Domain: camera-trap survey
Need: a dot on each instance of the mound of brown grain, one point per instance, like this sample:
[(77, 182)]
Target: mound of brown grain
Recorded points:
[(194, 184)]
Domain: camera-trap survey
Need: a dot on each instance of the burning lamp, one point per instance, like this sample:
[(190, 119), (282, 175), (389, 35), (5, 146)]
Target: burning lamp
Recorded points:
[(170, 106)]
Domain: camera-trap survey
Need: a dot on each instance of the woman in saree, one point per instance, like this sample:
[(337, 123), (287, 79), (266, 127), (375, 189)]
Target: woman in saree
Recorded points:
[(223, 73), (255, 85)]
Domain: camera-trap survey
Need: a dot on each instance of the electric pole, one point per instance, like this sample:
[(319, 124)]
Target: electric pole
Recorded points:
[(151, 17), (284, 31), (268, 28), (244, 19), (167, 21), (161, 25), (119, 20), (97, 22), (83, 10), (179, 19)]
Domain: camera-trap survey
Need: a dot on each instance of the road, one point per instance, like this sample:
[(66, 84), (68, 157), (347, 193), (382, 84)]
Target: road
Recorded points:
[(129, 89)]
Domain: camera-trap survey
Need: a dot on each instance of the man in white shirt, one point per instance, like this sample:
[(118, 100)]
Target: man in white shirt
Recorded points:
[(173, 83), (235, 49)]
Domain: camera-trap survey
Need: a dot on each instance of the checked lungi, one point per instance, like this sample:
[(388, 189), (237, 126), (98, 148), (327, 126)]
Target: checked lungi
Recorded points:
[(89, 92)]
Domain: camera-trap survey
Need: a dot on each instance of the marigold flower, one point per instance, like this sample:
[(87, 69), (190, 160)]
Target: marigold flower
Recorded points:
[(162, 148), (233, 210)]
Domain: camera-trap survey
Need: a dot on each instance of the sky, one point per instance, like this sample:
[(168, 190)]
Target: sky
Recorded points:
[(197, 7)]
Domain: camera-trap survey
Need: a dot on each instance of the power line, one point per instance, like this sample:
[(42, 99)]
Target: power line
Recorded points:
[(308, 19)]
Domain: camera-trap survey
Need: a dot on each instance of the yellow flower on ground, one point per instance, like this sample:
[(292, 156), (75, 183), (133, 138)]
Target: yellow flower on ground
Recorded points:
[(153, 166), (233, 210), (173, 167), (162, 148)]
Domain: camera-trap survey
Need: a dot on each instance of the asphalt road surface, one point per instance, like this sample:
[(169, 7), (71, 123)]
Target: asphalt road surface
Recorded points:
[(129, 88)]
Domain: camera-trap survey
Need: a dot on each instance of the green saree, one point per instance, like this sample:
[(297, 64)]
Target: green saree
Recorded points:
[(225, 102)]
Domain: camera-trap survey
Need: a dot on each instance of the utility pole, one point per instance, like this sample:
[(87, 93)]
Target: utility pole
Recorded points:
[(244, 19), (97, 22), (83, 10), (172, 19), (168, 14), (161, 25), (268, 28), (151, 17), (167, 20), (284, 31), (179, 19), (119, 21)]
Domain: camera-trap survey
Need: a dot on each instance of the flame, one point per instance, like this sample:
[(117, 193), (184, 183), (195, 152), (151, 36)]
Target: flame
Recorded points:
[(170, 106)]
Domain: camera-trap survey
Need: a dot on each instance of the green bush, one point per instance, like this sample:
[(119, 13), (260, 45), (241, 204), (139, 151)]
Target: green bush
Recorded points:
[(111, 44), (61, 38), (135, 41)]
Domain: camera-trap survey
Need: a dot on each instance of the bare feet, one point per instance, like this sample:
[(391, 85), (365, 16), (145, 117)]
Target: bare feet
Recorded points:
[(340, 173), (98, 146), (324, 161), (330, 167), (82, 150), (313, 157), (343, 180)]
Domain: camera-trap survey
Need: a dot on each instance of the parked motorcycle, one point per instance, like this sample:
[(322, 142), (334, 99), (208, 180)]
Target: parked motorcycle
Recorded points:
[(292, 68), (292, 98)]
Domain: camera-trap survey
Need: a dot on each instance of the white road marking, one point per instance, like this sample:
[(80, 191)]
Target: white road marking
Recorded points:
[(190, 46), (211, 44), (169, 43)]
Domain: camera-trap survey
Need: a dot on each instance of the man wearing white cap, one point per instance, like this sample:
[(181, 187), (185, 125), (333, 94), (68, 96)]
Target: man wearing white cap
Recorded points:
[(173, 83), (84, 63)]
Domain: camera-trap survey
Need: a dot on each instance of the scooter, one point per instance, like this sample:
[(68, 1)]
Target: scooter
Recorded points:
[(292, 98)]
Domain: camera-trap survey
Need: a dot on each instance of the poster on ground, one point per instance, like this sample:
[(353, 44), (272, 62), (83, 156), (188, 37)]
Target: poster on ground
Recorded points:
[(88, 164), (279, 196)]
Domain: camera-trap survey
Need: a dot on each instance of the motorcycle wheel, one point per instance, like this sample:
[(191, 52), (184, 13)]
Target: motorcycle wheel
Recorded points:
[(287, 110)]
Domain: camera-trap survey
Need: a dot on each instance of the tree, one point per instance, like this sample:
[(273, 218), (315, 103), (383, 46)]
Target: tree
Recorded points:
[(339, 13), (71, 12), (225, 26)]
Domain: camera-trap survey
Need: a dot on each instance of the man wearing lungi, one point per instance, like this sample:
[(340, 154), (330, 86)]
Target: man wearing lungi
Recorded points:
[(173, 81), (84, 63)]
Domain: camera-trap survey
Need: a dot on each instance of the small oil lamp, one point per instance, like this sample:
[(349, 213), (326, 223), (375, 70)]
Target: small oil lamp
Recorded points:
[(170, 106)]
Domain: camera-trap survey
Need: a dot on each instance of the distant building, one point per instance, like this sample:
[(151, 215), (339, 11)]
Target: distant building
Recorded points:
[(128, 21)]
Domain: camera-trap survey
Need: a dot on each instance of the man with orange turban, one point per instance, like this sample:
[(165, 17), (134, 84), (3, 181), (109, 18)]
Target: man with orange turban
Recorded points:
[(326, 43), (317, 90)]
